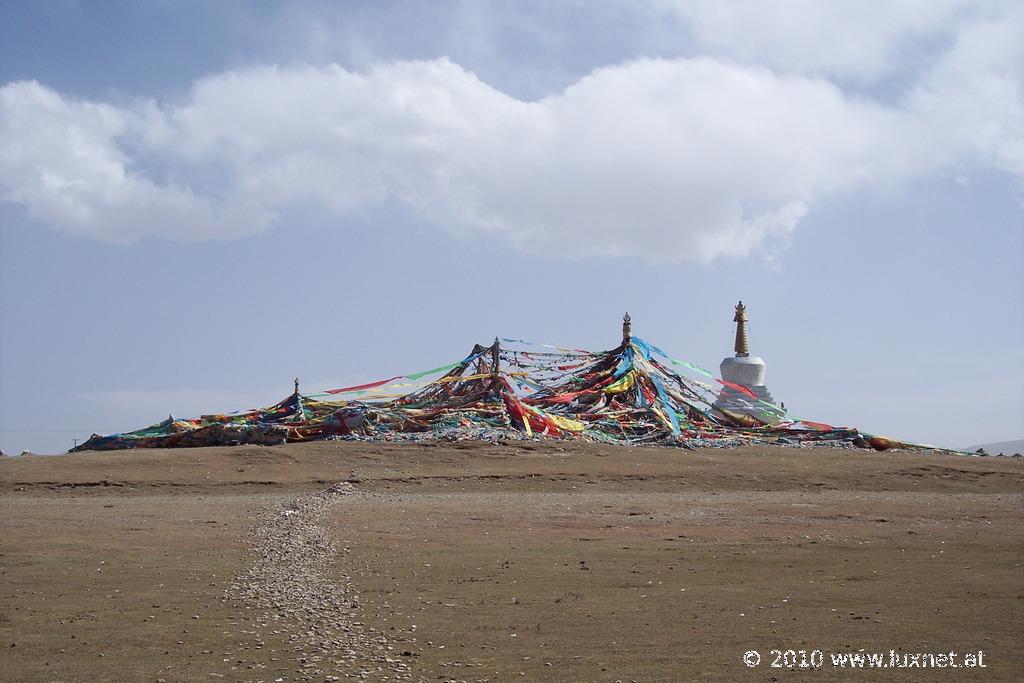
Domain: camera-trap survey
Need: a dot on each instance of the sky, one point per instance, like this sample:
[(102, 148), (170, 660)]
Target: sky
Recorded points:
[(200, 201)]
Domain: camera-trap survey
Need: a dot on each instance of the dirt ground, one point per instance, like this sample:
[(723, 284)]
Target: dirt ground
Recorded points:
[(521, 562)]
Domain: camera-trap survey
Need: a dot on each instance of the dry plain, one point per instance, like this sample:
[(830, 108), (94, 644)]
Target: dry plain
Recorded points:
[(522, 561)]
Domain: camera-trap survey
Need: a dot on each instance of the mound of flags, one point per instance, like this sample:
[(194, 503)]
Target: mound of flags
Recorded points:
[(512, 389)]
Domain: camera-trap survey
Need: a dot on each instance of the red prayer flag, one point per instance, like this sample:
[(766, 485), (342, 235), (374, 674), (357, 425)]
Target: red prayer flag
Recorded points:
[(820, 426), (738, 387), (371, 385)]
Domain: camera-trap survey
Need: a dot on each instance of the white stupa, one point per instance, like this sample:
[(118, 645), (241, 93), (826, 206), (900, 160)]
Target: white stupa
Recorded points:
[(748, 372)]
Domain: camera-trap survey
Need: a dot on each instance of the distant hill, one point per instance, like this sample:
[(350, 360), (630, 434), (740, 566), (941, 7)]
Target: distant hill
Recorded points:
[(1004, 447)]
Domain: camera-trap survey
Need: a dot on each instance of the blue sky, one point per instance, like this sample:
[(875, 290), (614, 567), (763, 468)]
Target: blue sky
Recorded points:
[(200, 201)]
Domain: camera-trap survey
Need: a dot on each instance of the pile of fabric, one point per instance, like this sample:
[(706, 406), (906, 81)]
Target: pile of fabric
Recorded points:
[(633, 394)]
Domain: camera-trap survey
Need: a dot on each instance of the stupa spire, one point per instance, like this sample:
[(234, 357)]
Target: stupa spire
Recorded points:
[(742, 347), (743, 392)]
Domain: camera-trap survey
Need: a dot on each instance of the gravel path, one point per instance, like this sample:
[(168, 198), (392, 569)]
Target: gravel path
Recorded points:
[(291, 588)]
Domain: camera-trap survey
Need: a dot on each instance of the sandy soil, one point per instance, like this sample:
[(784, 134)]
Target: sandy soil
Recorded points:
[(526, 561)]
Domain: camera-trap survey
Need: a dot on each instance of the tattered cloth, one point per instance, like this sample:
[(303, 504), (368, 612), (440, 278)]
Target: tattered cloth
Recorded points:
[(630, 395)]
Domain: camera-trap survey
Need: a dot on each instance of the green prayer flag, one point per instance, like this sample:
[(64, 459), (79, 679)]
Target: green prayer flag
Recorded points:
[(417, 375)]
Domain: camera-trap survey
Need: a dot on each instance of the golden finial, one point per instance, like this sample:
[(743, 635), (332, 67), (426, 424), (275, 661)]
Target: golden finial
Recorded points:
[(627, 329), (742, 348)]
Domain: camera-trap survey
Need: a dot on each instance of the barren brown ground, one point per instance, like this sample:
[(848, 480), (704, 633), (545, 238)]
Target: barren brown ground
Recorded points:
[(535, 562)]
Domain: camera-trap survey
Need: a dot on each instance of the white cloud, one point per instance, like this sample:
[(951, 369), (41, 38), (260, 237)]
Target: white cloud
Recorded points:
[(661, 159), (65, 160), (841, 38), (972, 99)]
